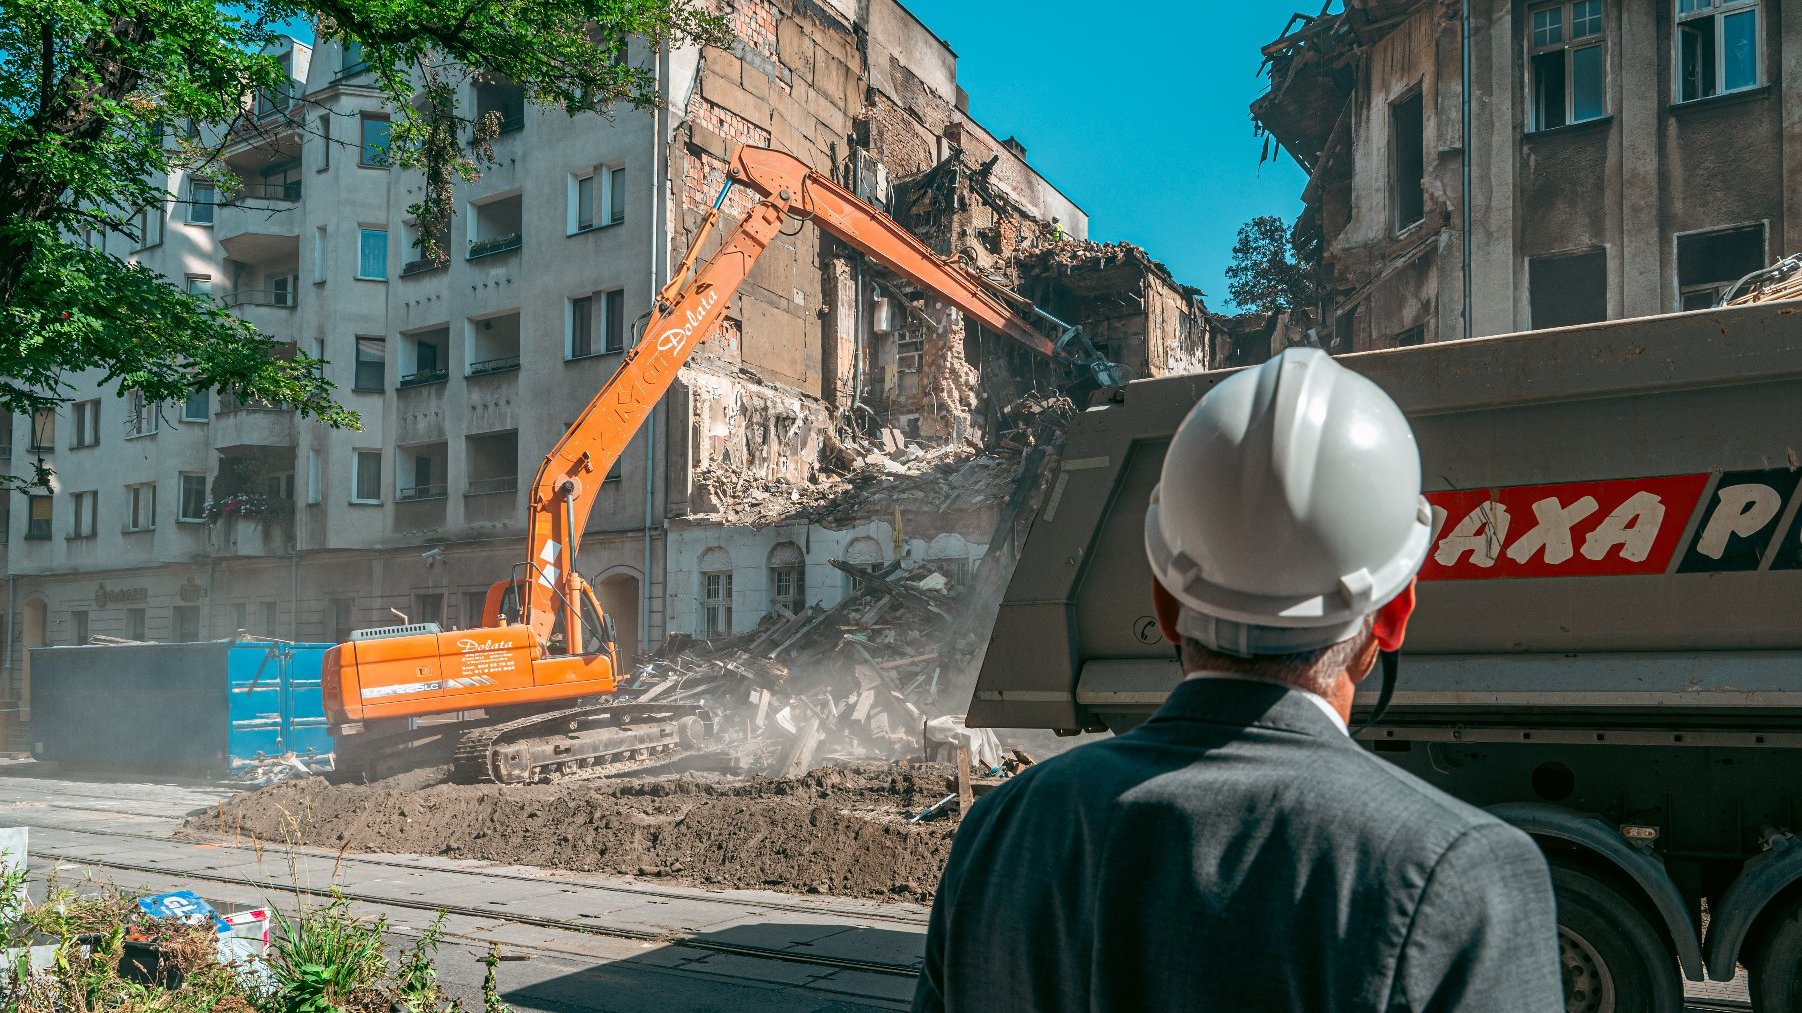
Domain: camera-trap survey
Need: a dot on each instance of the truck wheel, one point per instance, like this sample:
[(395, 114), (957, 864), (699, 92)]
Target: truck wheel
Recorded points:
[(1774, 964), (1614, 960)]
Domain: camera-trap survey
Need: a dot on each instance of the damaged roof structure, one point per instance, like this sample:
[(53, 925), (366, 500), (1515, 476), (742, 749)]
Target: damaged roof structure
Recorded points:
[(1614, 168)]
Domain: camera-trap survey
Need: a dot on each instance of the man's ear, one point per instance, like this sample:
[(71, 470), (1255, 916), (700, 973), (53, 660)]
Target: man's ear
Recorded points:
[(1391, 624), (1165, 606)]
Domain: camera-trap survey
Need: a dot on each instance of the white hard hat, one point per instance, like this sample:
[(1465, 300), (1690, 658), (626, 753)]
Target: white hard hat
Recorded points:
[(1289, 508)]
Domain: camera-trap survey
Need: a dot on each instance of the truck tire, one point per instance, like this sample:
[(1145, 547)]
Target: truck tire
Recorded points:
[(1774, 963), (1613, 958)]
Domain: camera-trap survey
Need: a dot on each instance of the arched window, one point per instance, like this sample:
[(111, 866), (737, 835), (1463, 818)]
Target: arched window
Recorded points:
[(716, 592), (788, 577), (865, 553), (951, 555)]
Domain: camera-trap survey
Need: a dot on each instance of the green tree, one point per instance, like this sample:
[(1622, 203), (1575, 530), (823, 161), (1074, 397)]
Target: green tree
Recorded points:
[(1272, 269), (98, 105)]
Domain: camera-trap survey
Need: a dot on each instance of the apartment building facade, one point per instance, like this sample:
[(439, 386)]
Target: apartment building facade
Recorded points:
[(1625, 158), (203, 519)]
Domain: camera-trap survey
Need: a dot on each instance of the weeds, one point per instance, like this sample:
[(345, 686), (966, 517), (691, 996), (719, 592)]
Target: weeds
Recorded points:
[(324, 959)]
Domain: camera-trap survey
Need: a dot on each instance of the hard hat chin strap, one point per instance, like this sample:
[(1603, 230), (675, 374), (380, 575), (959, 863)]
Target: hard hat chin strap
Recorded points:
[(1390, 662)]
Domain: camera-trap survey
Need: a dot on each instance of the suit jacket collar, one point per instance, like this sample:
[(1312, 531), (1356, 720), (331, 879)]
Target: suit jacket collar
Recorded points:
[(1245, 703)]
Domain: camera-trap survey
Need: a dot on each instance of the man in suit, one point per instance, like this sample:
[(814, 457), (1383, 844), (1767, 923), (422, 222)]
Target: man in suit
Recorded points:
[(1238, 851)]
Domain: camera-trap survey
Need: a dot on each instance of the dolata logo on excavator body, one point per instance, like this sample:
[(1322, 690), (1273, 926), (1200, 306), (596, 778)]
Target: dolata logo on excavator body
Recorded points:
[(1701, 523), (466, 645)]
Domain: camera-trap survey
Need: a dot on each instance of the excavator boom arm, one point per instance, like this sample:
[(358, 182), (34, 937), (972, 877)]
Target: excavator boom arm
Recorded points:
[(685, 314)]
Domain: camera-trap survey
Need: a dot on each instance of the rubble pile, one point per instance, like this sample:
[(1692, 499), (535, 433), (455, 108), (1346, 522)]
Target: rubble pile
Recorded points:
[(861, 679)]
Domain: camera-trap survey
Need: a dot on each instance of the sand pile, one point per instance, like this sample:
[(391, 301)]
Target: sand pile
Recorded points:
[(837, 830)]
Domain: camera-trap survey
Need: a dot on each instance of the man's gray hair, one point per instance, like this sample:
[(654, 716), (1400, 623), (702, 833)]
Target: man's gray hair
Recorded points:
[(1315, 671)]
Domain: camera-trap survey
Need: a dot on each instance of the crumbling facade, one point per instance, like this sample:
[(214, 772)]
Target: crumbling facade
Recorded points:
[(1624, 158)]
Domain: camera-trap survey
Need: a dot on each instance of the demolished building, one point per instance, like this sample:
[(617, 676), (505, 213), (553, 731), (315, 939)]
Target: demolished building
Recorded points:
[(1623, 159), (843, 414)]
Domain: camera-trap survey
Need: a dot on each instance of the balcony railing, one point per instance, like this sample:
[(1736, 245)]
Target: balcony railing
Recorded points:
[(500, 365), (289, 191), (279, 298), (422, 377), (499, 244), (484, 486), (414, 493), (421, 266)]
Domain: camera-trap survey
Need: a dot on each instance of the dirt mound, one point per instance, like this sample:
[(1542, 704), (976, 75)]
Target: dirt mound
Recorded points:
[(837, 830)]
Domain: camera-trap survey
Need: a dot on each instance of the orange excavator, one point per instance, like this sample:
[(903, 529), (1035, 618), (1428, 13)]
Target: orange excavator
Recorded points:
[(545, 645)]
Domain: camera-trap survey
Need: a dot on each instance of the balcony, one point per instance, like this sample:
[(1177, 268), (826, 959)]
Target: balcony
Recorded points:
[(490, 247), (260, 219), (237, 427), (415, 493), (280, 298), (490, 486), (504, 364), (423, 265), (421, 378)]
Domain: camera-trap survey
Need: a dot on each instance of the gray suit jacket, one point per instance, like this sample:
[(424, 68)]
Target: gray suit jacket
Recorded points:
[(1237, 852)]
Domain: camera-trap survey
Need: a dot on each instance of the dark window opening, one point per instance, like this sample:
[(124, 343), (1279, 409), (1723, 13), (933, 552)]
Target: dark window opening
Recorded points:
[(1708, 263), (1568, 289), (1407, 133)]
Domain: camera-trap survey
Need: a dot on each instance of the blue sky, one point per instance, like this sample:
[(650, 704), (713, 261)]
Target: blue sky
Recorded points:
[(1139, 112), (1140, 116)]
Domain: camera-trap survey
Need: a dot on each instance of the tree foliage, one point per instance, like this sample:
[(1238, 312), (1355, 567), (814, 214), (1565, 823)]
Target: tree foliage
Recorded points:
[(1272, 269), (95, 101)]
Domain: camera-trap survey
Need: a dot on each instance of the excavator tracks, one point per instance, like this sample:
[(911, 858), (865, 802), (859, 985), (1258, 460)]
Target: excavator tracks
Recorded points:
[(579, 742)]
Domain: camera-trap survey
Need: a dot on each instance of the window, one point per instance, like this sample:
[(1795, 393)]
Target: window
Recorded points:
[(140, 507), (1567, 289), (319, 255), (1718, 47), (185, 624), (37, 518), (78, 627), (141, 416), (1407, 135), (788, 578), (1412, 336), (865, 553), (325, 142), (150, 227), (82, 509), (614, 204), (197, 407), (192, 508), (581, 328), (279, 487), (716, 604), (1708, 263), (343, 618), (428, 608), (582, 203), (472, 609), (372, 364), (43, 429), (1568, 64), (87, 424), (372, 254), (134, 624), (200, 284), (613, 320), (375, 141), (367, 481), (313, 485), (269, 619), (241, 617), (202, 198)]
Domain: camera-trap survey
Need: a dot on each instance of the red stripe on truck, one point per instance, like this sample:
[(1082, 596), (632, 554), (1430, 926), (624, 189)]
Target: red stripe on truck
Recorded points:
[(1575, 529)]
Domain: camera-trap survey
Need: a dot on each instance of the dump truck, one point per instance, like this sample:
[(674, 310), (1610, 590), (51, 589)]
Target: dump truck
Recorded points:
[(1608, 647)]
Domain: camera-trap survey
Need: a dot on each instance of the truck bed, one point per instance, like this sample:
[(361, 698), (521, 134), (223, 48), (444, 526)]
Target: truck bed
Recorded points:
[(1660, 592)]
